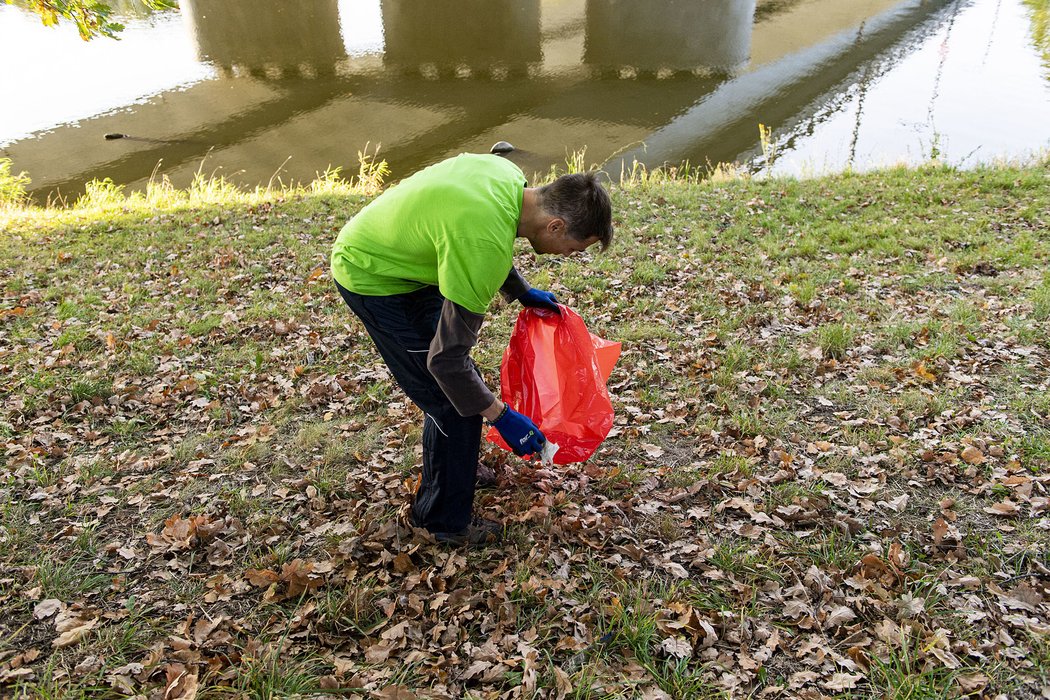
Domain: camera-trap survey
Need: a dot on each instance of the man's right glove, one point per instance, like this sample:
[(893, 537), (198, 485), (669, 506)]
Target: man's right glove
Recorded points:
[(539, 299), (520, 433)]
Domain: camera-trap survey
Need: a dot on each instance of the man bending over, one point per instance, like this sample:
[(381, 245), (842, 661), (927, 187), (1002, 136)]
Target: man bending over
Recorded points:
[(419, 266)]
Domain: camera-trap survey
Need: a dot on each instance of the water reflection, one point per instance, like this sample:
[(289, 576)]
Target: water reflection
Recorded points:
[(669, 35), (1040, 13), (267, 38), (430, 78), (462, 38), (955, 87)]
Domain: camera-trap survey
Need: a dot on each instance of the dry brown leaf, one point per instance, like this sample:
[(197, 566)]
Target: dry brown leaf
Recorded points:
[(562, 684), (204, 628), (24, 673), (1006, 508), (654, 451), (378, 653), (972, 455), (300, 577), (179, 533), (403, 563), (261, 577), (909, 605), (72, 629), (842, 681), (677, 647), (972, 682), (840, 615), (476, 668), (47, 608), (1024, 597), (940, 529), (922, 373), (835, 478), (181, 682)]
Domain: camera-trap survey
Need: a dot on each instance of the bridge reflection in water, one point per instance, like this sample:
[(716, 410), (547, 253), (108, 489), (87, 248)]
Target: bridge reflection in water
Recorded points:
[(689, 79)]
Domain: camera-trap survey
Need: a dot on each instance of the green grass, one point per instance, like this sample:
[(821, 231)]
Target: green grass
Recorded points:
[(12, 185), (1041, 301), (835, 339), (121, 407), (66, 578)]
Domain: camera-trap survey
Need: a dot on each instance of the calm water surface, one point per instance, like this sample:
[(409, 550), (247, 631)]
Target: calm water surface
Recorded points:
[(265, 90)]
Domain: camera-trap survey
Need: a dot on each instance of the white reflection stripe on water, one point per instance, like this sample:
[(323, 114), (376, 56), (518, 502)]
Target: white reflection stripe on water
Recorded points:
[(361, 25)]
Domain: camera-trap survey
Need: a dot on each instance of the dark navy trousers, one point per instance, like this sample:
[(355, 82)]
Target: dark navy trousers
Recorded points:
[(402, 326)]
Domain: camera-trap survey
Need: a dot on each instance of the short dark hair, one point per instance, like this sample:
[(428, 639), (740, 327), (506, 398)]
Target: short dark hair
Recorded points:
[(583, 203)]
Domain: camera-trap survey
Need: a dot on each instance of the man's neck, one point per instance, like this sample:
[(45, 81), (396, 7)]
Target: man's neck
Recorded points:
[(532, 215)]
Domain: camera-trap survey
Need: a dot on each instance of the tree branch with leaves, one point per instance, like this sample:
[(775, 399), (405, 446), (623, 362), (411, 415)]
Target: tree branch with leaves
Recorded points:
[(92, 18)]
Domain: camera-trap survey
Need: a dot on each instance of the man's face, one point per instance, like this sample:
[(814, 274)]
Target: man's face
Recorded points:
[(555, 240)]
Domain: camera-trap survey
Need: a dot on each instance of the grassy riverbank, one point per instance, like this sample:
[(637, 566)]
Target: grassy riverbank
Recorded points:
[(828, 475)]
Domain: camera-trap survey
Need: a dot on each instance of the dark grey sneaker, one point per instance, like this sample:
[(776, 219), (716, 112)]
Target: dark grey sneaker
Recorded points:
[(480, 531)]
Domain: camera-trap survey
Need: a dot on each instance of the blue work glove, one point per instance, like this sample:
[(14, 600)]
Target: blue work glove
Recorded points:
[(520, 433), (539, 299)]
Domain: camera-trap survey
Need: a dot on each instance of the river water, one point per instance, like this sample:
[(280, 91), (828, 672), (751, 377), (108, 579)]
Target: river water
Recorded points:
[(266, 91)]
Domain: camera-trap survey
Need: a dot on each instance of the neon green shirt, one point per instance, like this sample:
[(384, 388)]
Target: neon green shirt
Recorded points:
[(451, 225)]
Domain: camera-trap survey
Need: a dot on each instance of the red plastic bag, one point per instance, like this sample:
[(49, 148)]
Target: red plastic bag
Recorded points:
[(554, 371)]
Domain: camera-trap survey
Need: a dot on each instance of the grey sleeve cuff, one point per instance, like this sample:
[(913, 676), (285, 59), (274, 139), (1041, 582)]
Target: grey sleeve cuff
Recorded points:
[(514, 286), (449, 360)]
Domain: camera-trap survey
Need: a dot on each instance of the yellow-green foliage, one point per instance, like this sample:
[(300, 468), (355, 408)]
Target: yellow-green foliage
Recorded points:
[(12, 186), (1040, 10)]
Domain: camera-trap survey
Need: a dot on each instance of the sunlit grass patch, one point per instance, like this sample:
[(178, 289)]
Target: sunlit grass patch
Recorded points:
[(943, 347), (749, 422), (831, 550), (795, 493), (127, 430), (924, 403), (642, 331), (967, 315), (834, 339), (728, 464), (204, 326), (355, 608), (647, 272), (804, 291), (16, 531), (1033, 408), (313, 436), (87, 389), (1035, 450), (133, 631), (12, 185), (906, 671), (1041, 301), (269, 672), (747, 561), (69, 577)]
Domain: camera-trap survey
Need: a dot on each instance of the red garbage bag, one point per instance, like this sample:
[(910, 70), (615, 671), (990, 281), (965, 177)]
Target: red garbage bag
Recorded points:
[(554, 371)]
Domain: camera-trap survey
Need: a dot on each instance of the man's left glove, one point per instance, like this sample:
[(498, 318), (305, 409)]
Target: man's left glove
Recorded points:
[(539, 299)]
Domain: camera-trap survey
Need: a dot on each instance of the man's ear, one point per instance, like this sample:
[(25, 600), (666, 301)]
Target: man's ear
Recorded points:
[(556, 225)]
